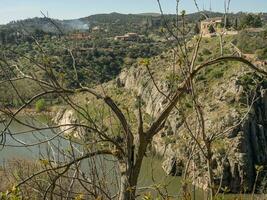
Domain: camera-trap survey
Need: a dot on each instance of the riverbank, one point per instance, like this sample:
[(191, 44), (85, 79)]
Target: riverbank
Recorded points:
[(28, 111), (151, 174)]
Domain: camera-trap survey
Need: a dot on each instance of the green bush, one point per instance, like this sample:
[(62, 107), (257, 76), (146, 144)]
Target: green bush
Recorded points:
[(40, 105), (201, 77), (250, 43), (251, 20), (250, 81), (211, 29), (262, 53), (216, 73), (200, 59), (206, 51)]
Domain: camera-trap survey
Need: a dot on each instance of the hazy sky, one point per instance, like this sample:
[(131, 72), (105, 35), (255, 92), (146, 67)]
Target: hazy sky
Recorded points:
[(69, 9)]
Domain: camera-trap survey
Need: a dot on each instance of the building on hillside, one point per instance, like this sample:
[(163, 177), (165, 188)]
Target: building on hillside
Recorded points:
[(128, 37), (211, 25), (96, 28), (255, 30), (79, 36), (120, 37)]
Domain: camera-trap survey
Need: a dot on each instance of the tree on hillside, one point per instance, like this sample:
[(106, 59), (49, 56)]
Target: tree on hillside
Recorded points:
[(226, 22), (106, 128), (196, 29), (236, 24), (251, 21), (212, 29)]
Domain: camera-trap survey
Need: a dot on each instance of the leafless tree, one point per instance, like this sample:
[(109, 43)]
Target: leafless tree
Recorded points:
[(99, 121)]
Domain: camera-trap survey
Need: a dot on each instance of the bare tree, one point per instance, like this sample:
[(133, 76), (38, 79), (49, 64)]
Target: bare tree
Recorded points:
[(132, 134)]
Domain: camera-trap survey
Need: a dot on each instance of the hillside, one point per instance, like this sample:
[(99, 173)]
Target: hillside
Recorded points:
[(85, 23), (125, 87), (239, 132)]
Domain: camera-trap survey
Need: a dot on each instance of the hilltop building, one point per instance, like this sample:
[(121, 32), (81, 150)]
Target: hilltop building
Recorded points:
[(96, 28), (79, 36), (128, 37), (211, 25)]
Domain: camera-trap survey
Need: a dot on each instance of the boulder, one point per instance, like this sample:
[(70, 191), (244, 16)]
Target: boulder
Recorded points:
[(173, 166)]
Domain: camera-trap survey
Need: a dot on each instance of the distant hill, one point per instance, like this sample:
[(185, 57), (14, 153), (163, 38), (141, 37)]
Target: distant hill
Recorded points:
[(150, 14), (108, 20), (45, 24)]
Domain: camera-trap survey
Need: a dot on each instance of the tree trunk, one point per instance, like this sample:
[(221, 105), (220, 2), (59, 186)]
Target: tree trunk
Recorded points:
[(129, 177), (125, 188), (210, 173), (221, 43)]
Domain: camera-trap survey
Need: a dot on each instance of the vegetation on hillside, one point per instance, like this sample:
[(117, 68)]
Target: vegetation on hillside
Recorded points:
[(117, 121), (253, 43)]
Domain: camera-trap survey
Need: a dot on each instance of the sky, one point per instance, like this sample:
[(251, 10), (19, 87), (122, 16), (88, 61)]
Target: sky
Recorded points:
[(71, 9)]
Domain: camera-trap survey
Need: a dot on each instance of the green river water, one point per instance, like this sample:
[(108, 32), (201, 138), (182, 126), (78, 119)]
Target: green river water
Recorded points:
[(151, 172)]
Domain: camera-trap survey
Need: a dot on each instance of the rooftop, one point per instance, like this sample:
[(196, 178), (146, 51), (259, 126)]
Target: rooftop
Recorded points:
[(212, 19)]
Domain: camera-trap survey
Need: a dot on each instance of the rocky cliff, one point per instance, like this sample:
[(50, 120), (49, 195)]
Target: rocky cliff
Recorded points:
[(241, 128), (234, 101), (66, 120)]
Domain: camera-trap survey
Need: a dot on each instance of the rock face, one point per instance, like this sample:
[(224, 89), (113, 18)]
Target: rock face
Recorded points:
[(248, 149), (238, 151), (169, 166), (242, 133), (173, 166), (66, 119)]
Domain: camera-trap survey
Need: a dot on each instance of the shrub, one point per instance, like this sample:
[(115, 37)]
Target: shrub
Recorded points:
[(206, 51), (40, 105), (216, 73), (189, 104), (211, 29), (262, 53), (251, 20), (250, 43), (201, 77), (200, 59), (250, 81)]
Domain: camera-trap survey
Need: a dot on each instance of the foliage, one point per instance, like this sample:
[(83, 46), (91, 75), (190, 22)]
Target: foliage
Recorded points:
[(13, 194), (196, 29), (200, 58), (250, 81), (262, 53), (251, 21), (40, 105), (97, 60), (206, 51), (211, 29), (217, 73), (251, 42)]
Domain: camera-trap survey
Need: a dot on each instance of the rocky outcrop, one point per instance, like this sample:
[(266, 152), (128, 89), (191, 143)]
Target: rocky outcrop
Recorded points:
[(242, 144), (235, 154), (173, 166), (66, 120)]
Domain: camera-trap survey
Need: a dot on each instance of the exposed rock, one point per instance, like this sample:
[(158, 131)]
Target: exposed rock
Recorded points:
[(234, 156), (169, 166), (243, 147), (173, 166), (66, 119)]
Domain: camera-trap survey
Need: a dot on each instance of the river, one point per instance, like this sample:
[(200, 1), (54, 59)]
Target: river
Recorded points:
[(151, 172)]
